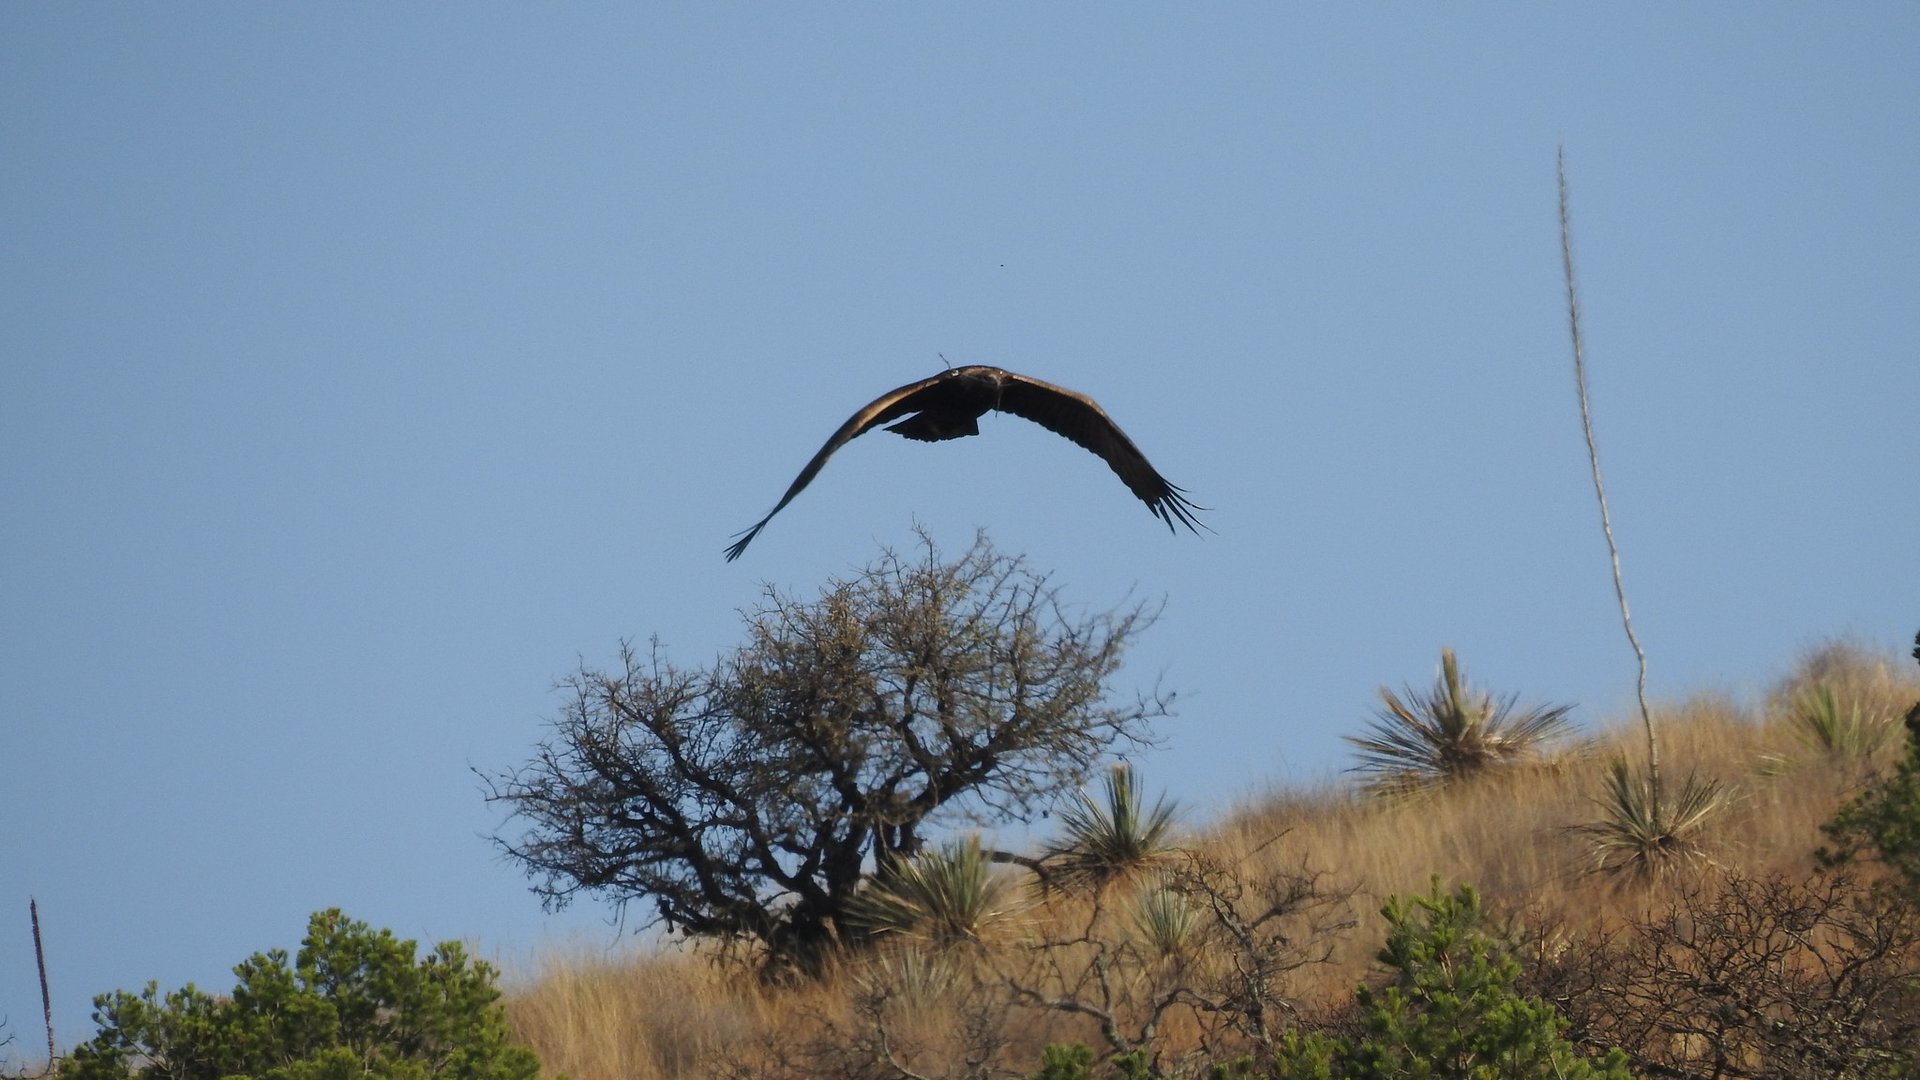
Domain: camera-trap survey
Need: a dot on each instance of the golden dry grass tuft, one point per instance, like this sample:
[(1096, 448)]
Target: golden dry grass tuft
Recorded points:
[(652, 1013), (674, 1013)]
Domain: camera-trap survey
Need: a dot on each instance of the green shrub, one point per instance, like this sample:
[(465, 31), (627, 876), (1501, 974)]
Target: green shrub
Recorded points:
[(1451, 1011), (1066, 1061), (1074, 1061), (353, 1004)]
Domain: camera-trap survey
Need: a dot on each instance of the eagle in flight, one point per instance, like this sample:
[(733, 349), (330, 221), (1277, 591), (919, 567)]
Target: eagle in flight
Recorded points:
[(950, 404)]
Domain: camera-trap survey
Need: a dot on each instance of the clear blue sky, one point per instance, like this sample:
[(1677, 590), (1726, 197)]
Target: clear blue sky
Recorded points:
[(363, 366)]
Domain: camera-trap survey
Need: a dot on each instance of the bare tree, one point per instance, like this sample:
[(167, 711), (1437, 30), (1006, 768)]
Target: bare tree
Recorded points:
[(750, 799), (1209, 950), (1749, 978)]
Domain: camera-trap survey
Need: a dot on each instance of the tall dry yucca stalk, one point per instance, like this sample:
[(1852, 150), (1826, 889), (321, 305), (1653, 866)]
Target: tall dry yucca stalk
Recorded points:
[(1639, 822), (1600, 488), (46, 999)]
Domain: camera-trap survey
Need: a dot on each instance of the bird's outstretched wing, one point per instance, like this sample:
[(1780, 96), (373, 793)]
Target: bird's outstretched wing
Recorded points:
[(1077, 417), (888, 406)]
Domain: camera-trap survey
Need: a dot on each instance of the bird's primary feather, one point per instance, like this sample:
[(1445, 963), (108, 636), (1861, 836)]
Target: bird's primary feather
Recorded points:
[(949, 405)]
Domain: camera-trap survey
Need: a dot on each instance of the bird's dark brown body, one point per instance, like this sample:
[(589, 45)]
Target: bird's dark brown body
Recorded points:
[(952, 407), (949, 406)]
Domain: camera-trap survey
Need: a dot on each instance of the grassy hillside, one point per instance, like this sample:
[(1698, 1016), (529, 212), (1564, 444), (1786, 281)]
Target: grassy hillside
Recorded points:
[(1325, 859)]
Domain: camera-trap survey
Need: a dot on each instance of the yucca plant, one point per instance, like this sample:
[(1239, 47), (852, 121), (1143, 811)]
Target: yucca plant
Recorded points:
[(1449, 733), (1111, 839), (1165, 918), (1856, 730), (917, 979), (1852, 730), (945, 896), (1644, 834)]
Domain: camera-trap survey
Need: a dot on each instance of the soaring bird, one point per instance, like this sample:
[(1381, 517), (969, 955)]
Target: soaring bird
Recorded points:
[(949, 405)]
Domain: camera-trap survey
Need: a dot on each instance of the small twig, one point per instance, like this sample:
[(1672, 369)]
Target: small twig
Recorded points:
[(1599, 489), (886, 1048), (40, 957)]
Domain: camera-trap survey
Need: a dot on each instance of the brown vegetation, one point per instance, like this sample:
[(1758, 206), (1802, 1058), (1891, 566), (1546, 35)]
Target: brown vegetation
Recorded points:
[(1718, 972)]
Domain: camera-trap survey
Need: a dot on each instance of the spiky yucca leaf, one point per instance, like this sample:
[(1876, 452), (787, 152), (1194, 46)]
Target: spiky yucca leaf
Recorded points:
[(1645, 834), (1449, 733), (1857, 730), (1115, 838), (1165, 918), (945, 896), (916, 979), (1852, 730)]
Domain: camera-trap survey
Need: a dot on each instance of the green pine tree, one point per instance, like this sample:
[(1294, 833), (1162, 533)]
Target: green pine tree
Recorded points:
[(353, 1005), (1451, 1011), (1074, 1061)]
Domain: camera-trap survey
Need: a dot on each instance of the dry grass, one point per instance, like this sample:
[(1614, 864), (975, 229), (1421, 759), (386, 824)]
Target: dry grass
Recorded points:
[(653, 1014), (667, 1013)]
